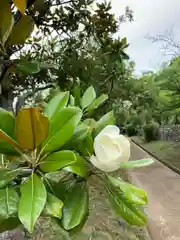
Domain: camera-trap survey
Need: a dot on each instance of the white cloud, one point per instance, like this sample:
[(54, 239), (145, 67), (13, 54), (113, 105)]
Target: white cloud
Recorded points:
[(150, 17)]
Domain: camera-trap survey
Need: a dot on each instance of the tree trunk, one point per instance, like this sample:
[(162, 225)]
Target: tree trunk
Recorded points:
[(6, 99)]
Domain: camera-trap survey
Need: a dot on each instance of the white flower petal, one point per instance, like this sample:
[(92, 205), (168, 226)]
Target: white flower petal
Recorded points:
[(99, 148), (109, 129), (125, 146), (111, 149), (114, 165), (94, 160)]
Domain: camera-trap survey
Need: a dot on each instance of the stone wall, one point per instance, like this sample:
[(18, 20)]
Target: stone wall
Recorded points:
[(169, 133)]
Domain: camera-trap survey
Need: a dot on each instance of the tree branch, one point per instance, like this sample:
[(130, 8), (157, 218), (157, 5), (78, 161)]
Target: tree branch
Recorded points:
[(29, 94), (21, 99)]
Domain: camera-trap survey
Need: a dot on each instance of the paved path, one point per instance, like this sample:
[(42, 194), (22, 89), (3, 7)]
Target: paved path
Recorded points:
[(163, 188)]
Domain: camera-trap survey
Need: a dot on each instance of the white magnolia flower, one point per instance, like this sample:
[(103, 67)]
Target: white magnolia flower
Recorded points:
[(111, 148)]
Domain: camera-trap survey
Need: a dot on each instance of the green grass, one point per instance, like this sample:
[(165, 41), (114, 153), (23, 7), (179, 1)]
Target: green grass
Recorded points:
[(169, 152)]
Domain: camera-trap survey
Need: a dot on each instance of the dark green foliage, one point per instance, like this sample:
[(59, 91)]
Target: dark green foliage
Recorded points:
[(131, 130), (151, 131), (89, 55)]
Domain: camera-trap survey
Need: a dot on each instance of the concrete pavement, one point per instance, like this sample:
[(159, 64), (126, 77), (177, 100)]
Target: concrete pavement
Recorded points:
[(163, 188)]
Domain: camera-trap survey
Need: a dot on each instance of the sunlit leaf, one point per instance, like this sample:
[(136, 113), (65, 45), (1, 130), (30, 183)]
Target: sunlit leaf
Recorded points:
[(56, 104), (80, 133), (79, 167), (57, 160), (61, 128), (53, 206), (107, 119), (137, 163), (88, 97), (32, 201), (72, 101), (31, 127), (123, 208), (97, 102), (134, 194)]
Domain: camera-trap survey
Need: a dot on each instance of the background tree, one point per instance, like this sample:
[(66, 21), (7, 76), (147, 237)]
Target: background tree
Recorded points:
[(170, 45), (62, 33)]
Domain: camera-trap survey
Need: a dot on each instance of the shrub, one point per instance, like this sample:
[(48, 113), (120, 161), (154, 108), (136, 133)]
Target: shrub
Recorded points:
[(131, 130), (151, 131)]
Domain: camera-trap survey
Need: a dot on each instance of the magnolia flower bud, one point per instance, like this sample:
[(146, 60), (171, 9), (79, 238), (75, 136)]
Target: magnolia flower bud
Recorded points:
[(111, 148)]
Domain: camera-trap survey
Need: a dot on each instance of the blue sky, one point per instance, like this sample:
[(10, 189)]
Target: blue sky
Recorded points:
[(150, 17)]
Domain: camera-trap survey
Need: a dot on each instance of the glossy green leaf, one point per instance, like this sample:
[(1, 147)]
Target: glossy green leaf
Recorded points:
[(53, 206), (133, 194), (60, 188), (62, 128), (57, 160), (8, 145), (84, 146), (28, 67), (56, 104), (137, 163), (7, 149), (123, 208), (72, 101), (79, 167), (77, 95), (97, 102), (21, 31), (7, 175), (9, 224), (107, 119), (91, 123), (75, 206), (88, 145), (124, 41), (7, 122), (9, 200), (88, 97), (80, 132), (80, 227), (79, 139), (32, 201), (45, 65), (7, 125), (6, 20)]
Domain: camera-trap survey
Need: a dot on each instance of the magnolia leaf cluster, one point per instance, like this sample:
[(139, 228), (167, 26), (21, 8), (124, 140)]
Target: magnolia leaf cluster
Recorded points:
[(58, 140)]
